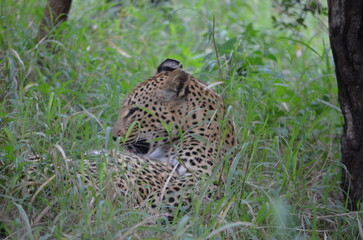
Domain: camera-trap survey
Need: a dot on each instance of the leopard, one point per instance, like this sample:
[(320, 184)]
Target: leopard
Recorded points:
[(175, 131)]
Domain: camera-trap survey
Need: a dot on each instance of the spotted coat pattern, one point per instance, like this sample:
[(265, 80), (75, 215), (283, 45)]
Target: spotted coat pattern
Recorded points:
[(175, 132)]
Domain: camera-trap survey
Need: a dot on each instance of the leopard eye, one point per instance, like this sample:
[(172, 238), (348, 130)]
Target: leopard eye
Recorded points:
[(131, 111)]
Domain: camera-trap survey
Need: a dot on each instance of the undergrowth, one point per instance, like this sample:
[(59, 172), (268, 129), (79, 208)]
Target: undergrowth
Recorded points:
[(60, 97)]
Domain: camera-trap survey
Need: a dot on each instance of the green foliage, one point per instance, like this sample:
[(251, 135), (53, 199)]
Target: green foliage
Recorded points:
[(60, 97), (292, 14)]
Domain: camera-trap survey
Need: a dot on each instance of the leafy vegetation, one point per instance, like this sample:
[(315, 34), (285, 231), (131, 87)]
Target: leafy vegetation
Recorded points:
[(291, 14), (60, 98)]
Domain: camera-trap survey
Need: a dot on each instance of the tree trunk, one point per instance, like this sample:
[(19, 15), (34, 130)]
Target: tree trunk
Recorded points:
[(56, 11), (346, 39)]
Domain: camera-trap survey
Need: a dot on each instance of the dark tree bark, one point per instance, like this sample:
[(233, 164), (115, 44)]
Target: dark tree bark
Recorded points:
[(346, 39), (56, 11)]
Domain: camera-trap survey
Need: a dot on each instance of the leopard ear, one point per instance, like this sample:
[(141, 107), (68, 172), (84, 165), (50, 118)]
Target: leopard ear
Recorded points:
[(178, 83), (169, 65)]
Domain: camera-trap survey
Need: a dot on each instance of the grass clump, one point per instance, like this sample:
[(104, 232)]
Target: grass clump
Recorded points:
[(60, 98)]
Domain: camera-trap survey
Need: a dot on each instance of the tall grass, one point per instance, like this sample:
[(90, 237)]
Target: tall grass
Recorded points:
[(60, 97)]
